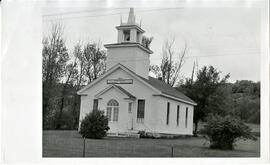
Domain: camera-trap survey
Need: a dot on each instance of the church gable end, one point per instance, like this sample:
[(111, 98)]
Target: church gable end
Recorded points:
[(119, 74)]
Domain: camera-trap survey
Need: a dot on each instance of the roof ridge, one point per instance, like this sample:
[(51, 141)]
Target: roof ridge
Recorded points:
[(161, 85), (165, 83)]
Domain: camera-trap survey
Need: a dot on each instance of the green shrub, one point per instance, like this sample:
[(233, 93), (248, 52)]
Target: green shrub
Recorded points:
[(223, 132), (144, 134), (94, 125), (148, 135)]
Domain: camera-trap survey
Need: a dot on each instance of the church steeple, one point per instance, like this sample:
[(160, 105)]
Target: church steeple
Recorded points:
[(129, 50), (130, 31), (131, 17)]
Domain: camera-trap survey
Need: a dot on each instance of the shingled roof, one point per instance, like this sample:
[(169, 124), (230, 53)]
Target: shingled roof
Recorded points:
[(166, 89)]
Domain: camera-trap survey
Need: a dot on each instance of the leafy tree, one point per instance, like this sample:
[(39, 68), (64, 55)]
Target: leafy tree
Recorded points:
[(54, 59), (246, 100), (146, 41), (94, 125), (70, 72), (94, 59), (90, 65), (59, 90), (204, 91), (220, 101), (79, 81), (80, 76), (223, 132), (169, 69)]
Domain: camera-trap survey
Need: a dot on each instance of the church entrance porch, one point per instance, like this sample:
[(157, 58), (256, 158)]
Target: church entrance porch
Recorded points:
[(118, 106), (126, 120)]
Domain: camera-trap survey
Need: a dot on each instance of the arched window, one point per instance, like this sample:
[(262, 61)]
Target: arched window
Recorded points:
[(112, 108), (112, 102)]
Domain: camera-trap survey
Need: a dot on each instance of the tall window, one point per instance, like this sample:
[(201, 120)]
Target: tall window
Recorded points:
[(186, 117), (140, 111), (115, 113), (112, 108), (95, 104), (177, 115), (168, 113), (109, 113)]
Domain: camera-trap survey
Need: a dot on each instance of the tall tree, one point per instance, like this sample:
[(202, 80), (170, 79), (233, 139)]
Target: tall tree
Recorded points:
[(79, 80), (90, 65), (54, 58), (94, 59), (69, 74), (169, 69), (246, 100), (206, 92)]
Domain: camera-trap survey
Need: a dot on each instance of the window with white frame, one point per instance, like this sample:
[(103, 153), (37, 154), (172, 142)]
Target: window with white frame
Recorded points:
[(109, 113), (112, 110), (140, 111), (177, 115), (168, 113)]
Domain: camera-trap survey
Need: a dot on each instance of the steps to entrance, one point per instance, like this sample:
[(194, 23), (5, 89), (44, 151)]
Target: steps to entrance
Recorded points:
[(135, 134), (132, 134)]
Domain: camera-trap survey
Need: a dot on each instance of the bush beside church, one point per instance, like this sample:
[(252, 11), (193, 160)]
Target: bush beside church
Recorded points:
[(94, 125)]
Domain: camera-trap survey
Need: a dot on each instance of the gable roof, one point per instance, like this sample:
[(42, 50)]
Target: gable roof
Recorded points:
[(167, 89), (115, 67), (161, 87)]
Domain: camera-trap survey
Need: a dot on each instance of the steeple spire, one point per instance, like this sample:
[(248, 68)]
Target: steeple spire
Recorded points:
[(129, 47), (131, 17)]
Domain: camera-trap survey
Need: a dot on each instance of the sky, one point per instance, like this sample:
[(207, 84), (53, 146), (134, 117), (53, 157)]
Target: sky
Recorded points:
[(227, 37)]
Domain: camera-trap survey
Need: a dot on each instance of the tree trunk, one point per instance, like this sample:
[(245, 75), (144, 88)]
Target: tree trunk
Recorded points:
[(196, 128), (59, 118), (46, 103), (45, 111), (58, 122), (74, 111)]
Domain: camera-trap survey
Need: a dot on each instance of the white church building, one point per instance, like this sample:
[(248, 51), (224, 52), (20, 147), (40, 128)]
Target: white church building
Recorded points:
[(132, 100)]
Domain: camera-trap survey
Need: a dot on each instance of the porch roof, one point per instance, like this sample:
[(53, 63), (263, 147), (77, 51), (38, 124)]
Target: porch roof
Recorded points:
[(119, 88), (125, 92)]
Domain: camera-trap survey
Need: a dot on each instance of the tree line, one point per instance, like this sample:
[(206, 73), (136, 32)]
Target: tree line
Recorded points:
[(215, 95), (64, 73)]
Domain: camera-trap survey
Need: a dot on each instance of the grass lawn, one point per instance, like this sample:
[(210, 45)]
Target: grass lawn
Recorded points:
[(255, 128), (70, 144)]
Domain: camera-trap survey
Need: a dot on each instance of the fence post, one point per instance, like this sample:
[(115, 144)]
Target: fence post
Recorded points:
[(172, 151), (83, 146)]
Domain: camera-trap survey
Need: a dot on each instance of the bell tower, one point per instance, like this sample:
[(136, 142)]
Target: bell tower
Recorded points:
[(131, 33), (129, 50)]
